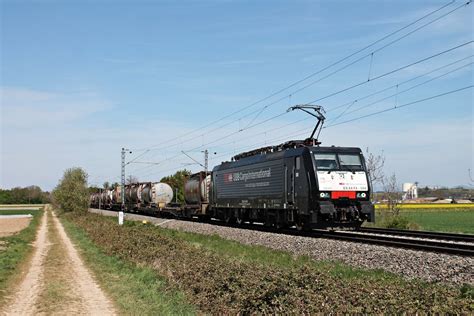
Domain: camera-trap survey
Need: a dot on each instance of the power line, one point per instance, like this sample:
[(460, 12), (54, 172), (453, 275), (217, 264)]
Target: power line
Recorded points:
[(343, 90), (347, 121), (318, 71), (340, 69), (394, 86), (281, 114), (406, 90), (332, 94), (401, 106), (392, 71)]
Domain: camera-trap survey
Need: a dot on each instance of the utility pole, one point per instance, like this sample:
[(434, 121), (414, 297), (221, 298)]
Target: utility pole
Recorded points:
[(122, 191), (206, 166), (206, 160)]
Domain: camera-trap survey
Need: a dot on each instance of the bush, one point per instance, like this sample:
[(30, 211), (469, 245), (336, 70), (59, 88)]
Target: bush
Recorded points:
[(398, 222), (219, 284), (72, 194), (467, 291), (388, 220)]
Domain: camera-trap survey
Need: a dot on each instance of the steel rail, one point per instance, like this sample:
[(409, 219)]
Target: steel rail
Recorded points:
[(400, 242), (420, 234)]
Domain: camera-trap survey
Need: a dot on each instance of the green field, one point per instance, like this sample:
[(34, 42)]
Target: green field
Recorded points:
[(457, 220)]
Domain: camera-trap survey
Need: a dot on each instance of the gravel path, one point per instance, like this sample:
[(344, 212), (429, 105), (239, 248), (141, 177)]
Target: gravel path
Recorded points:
[(408, 263), (26, 299)]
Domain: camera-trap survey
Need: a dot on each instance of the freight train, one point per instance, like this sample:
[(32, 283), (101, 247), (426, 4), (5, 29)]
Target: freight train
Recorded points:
[(297, 183)]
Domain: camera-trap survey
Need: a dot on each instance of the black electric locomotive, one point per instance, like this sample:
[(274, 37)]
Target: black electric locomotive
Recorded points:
[(295, 183)]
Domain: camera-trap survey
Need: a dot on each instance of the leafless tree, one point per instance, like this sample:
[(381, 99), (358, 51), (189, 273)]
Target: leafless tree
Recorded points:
[(375, 164), (132, 179), (392, 194)]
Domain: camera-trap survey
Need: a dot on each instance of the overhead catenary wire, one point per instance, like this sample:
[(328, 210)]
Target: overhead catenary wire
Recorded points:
[(312, 74), (406, 90), (298, 121), (229, 135), (259, 111), (392, 72), (334, 93), (401, 106), (331, 109), (358, 118), (345, 67)]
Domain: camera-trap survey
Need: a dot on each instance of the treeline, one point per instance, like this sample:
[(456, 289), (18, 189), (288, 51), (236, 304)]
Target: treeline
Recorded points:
[(447, 193), (28, 195)]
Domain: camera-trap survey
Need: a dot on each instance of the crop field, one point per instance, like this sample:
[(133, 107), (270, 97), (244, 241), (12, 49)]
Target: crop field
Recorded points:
[(451, 220), (19, 206), (441, 206), (454, 219)]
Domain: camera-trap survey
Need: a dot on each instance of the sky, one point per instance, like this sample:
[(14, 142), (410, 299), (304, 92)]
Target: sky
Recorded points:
[(79, 80)]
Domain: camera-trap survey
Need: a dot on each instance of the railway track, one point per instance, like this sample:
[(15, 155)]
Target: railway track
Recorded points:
[(419, 234), (403, 239), (424, 244)]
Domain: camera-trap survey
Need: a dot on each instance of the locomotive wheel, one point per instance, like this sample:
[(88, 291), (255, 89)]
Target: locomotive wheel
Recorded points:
[(300, 226), (229, 219)]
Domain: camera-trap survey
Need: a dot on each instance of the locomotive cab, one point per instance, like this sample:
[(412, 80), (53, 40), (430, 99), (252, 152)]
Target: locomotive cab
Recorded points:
[(342, 191)]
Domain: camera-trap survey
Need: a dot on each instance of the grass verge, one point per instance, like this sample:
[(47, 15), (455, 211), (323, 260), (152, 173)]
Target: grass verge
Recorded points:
[(15, 249), (136, 290), (224, 277)]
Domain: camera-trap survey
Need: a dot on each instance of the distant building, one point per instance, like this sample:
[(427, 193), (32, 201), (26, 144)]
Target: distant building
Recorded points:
[(410, 191)]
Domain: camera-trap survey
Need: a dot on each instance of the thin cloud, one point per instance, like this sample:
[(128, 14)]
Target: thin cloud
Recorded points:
[(24, 108)]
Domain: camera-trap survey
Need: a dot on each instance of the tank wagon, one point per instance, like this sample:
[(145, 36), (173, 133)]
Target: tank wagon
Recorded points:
[(148, 197), (298, 183)]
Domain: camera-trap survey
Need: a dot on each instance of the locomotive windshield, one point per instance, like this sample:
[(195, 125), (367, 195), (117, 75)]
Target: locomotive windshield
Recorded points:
[(326, 161), (350, 161), (333, 161)]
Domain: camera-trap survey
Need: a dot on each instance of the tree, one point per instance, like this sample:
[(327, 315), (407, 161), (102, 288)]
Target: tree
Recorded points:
[(132, 179), (72, 194), (176, 181), (115, 185), (392, 194), (28, 195), (106, 185), (374, 164)]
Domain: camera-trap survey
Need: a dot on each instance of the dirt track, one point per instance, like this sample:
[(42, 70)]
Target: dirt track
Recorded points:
[(80, 294)]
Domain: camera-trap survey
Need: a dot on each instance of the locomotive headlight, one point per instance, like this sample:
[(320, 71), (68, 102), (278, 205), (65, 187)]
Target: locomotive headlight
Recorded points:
[(362, 195), (324, 195)]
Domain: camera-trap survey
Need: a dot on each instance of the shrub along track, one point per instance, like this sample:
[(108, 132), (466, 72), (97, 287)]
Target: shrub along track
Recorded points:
[(219, 283)]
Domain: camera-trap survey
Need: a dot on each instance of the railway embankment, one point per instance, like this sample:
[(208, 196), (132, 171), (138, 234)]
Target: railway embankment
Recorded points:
[(227, 270), (409, 264)]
